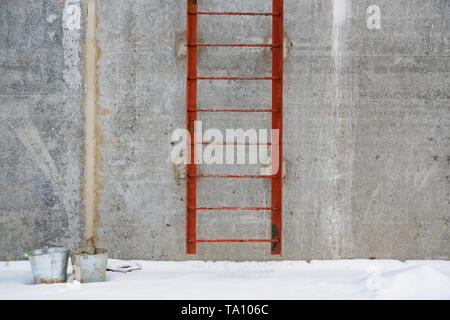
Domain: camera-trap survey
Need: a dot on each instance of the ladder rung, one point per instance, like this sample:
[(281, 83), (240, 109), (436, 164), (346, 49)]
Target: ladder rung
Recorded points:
[(234, 78), (235, 143), (263, 45), (233, 176), (235, 240), (235, 208), (234, 13), (234, 110)]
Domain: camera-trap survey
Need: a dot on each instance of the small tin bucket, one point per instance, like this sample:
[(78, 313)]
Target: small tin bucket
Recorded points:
[(89, 264), (49, 265)]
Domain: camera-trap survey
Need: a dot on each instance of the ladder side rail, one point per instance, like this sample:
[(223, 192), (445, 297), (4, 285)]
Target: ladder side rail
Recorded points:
[(191, 117), (277, 123)]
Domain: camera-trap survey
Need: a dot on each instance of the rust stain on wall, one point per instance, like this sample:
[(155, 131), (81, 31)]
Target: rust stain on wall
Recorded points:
[(92, 186)]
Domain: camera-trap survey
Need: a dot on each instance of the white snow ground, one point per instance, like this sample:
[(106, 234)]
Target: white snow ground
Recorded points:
[(339, 279)]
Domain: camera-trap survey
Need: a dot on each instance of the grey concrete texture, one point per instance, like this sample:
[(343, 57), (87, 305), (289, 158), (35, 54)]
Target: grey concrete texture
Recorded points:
[(41, 128), (366, 130)]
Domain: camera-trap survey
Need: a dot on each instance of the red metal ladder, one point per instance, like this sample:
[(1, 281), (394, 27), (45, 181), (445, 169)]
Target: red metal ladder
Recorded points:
[(277, 123)]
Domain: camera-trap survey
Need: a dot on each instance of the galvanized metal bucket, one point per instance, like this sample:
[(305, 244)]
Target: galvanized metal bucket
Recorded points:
[(49, 265), (89, 264)]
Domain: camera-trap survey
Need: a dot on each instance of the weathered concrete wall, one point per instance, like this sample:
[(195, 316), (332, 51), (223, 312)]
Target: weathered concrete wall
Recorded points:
[(366, 120), (41, 126), (366, 129)]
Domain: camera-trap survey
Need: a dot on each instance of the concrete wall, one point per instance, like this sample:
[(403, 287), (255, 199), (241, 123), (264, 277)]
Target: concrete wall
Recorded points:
[(41, 126), (366, 140)]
